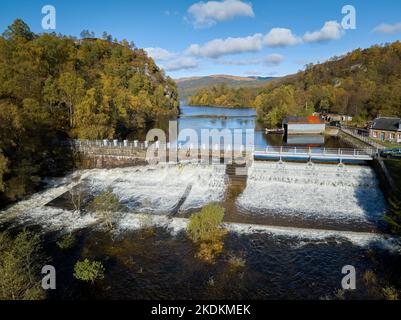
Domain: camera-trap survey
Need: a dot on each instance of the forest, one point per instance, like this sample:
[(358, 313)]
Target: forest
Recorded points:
[(363, 83), (55, 87)]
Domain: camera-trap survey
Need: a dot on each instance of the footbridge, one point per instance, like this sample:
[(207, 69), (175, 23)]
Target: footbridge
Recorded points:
[(154, 152), (315, 154)]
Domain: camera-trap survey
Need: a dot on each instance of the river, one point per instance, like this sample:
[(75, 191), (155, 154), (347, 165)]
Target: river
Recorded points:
[(294, 224)]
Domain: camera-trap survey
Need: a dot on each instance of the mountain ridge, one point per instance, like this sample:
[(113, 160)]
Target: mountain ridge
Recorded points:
[(188, 86)]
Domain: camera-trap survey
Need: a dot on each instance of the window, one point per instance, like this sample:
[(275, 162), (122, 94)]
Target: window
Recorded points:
[(374, 134), (392, 136)]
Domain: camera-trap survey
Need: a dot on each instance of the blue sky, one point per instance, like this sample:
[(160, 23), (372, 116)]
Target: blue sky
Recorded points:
[(244, 38)]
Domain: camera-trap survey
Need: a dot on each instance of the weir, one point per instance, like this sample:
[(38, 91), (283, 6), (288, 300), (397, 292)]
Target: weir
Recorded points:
[(100, 154)]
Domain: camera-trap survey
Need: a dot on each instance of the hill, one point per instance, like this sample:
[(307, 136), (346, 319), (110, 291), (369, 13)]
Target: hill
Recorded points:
[(364, 83), (54, 87), (189, 86)]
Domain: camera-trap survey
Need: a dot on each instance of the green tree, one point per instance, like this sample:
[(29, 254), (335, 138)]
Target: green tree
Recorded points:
[(105, 205), (3, 170), (89, 271), (18, 29), (205, 230), (20, 263)]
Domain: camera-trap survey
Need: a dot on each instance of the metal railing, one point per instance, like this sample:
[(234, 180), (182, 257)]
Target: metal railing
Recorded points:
[(354, 133), (126, 146)]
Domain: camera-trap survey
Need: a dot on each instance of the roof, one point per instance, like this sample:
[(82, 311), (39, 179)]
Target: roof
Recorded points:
[(387, 124), (304, 120)]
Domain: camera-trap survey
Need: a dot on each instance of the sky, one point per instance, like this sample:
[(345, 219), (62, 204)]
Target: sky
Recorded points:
[(243, 38)]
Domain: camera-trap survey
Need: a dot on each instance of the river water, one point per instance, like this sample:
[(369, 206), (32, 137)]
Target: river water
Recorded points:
[(295, 226)]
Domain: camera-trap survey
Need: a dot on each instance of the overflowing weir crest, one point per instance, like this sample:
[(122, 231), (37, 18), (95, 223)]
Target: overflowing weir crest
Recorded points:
[(313, 199), (124, 152)]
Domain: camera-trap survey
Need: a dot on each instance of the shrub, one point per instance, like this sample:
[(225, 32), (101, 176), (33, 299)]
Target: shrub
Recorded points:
[(66, 242), (104, 205), (236, 263), (89, 270), (390, 293), (205, 226), (205, 230), (369, 278), (20, 263)]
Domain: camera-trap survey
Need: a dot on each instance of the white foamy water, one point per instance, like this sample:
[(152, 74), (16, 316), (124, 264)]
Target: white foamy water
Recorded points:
[(55, 188), (161, 189), (129, 222), (329, 192)]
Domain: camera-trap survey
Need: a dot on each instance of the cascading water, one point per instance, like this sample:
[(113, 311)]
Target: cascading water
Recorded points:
[(313, 192), (158, 189)]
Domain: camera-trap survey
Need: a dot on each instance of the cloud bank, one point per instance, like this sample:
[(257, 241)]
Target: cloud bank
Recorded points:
[(281, 37), (388, 28), (160, 54), (209, 13), (221, 47), (331, 30)]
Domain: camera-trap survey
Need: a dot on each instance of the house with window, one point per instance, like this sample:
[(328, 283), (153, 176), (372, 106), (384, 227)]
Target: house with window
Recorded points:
[(386, 129), (304, 125)]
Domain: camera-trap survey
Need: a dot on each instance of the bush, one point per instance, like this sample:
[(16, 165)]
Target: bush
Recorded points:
[(205, 230), (21, 261), (104, 205), (89, 270), (66, 242), (369, 278), (205, 226), (236, 263), (390, 293)]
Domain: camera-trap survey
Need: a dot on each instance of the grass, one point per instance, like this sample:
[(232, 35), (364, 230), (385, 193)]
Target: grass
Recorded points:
[(66, 242), (394, 168), (386, 144)]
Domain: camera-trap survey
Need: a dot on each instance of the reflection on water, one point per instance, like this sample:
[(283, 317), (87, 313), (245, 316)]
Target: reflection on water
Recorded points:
[(153, 264), (308, 140), (210, 118)]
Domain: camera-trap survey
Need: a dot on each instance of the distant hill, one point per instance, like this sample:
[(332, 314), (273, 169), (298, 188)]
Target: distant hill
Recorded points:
[(189, 86), (364, 83)]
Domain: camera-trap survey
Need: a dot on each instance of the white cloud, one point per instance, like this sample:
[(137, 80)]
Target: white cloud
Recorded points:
[(220, 47), (160, 54), (244, 62), (182, 63), (388, 28), (211, 12), (253, 73), (331, 30), (271, 60), (274, 59), (281, 37)]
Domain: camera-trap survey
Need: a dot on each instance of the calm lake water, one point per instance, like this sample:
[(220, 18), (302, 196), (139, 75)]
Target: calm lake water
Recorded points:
[(200, 118)]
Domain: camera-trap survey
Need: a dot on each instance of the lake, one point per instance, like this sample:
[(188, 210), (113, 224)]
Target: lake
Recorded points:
[(200, 118)]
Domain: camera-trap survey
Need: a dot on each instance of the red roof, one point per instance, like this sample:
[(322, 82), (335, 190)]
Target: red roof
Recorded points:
[(304, 120)]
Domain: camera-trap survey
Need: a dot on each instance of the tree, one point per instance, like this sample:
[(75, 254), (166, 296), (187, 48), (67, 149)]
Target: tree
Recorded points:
[(87, 34), (18, 29), (106, 205), (3, 170), (89, 271), (70, 92), (107, 37), (53, 88), (20, 263), (205, 230)]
